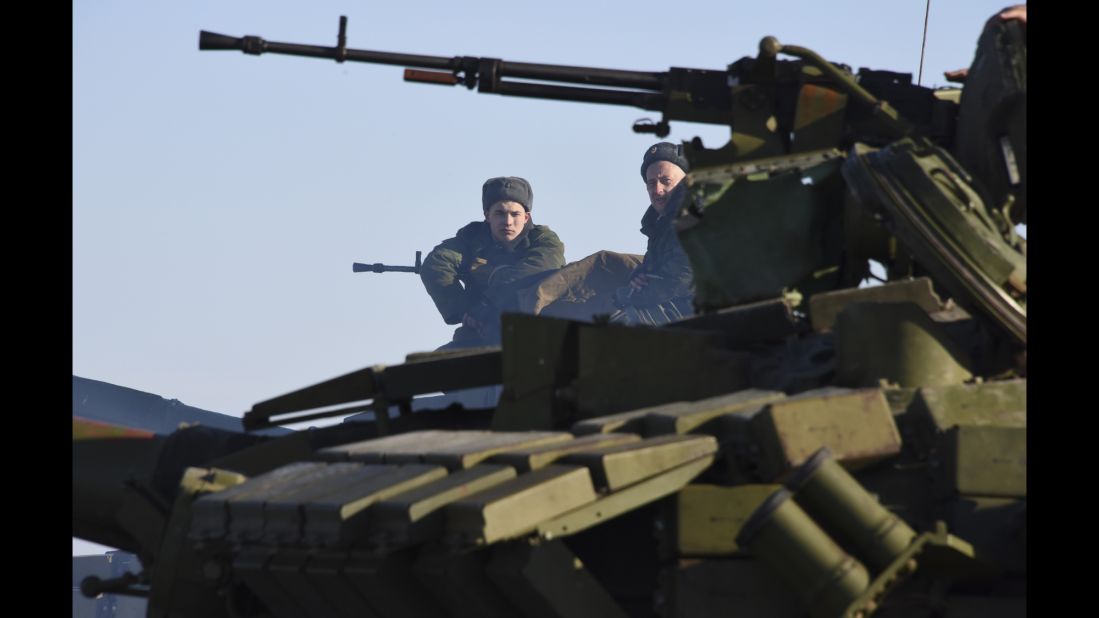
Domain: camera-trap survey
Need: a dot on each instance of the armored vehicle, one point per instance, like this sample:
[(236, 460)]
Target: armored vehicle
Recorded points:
[(802, 446)]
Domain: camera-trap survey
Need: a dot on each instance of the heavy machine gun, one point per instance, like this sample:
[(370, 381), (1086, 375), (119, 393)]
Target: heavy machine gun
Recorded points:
[(734, 96)]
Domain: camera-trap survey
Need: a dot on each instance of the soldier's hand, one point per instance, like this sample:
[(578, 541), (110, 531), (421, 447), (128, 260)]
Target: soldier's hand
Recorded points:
[(621, 296), (482, 318), (475, 272)]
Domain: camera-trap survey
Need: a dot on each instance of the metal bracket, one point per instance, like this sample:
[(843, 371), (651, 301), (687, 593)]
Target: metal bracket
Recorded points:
[(646, 125), (341, 40), (936, 552)]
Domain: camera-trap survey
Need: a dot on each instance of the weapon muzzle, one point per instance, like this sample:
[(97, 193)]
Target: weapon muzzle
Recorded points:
[(250, 44), (212, 40)]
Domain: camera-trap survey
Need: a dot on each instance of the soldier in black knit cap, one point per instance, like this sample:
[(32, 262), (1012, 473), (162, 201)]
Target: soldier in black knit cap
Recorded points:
[(661, 289), (474, 276)]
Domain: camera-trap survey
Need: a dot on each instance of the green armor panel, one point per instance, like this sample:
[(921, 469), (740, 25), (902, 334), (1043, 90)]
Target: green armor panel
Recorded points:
[(935, 410), (417, 515), (625, 368), (694, 416), (210, 513), (516, 507), (339, 517), (527, 459), (857, 426), (618, 466), (709, 517), (982, 461), (744, 208), (454, 449)]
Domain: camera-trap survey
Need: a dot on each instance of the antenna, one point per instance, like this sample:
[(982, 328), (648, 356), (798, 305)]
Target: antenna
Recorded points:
[(923, 45)]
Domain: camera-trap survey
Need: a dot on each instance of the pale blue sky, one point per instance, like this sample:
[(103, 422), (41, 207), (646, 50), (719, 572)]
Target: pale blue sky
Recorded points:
[(219, 199)]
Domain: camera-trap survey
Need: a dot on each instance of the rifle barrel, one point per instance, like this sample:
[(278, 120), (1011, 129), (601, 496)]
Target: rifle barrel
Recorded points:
[(359, 267)]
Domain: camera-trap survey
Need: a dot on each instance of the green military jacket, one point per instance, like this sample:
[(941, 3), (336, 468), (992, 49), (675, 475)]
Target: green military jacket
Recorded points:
[(489, 270)]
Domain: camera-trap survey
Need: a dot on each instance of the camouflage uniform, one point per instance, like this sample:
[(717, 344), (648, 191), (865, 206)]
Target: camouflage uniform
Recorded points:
[(474, 274)]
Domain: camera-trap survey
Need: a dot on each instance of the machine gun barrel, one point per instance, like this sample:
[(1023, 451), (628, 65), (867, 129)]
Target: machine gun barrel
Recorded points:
[(643, 80), (255, 46), (583, 75), (648, 90)]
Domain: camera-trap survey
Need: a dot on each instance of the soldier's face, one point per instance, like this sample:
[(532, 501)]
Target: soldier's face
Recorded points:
[(506, 220), (660, 178)]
